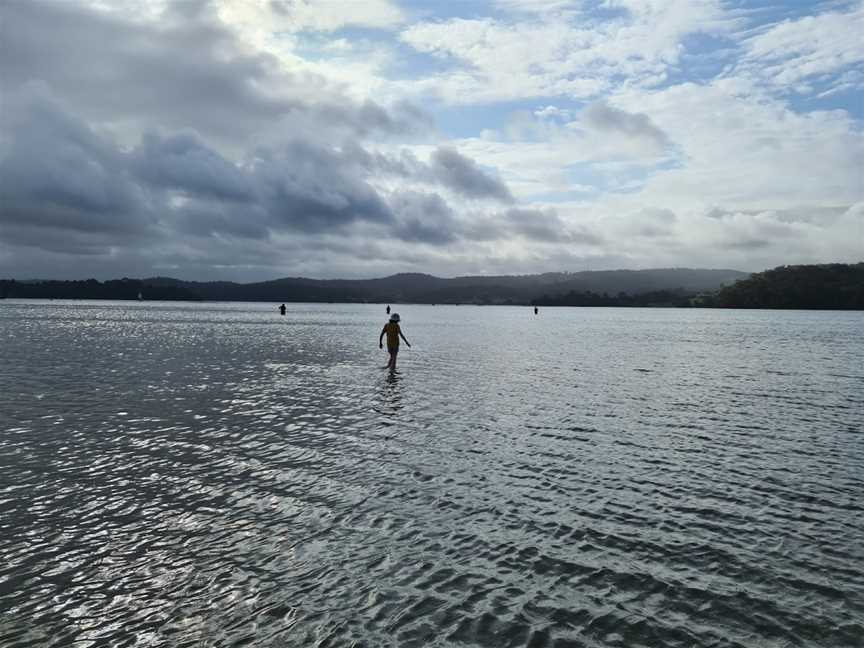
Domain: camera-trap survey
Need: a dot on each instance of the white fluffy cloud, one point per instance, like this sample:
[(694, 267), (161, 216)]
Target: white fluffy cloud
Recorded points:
[(749, 153), (563, 54), (315, 15), (794, 53), (786, 183)]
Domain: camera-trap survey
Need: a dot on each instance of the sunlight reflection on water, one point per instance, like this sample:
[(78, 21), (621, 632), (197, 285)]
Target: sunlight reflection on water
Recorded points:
[(214, 474)]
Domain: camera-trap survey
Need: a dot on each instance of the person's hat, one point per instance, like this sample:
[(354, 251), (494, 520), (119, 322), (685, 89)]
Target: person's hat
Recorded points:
[(394, 317)]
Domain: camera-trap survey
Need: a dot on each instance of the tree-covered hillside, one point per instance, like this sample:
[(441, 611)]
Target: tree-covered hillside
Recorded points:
[(675, 298), (400, 288), (92, 289), (832, 286)]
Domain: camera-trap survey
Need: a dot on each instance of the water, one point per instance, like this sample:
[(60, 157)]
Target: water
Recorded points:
[(218, 475)]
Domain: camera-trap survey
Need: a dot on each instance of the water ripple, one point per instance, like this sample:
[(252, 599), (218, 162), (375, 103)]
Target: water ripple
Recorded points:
[(212, 474)]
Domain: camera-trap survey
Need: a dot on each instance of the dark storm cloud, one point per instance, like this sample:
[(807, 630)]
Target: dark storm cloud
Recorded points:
[(188, 71), (167, 145), (115, 67), (446, 167), (55, 171), (314, 188), (76, 243), (463, 175), (185, 163), (424, 218), (210, 218), (605, 118), (368, 117), (59, 174), (299, 185)]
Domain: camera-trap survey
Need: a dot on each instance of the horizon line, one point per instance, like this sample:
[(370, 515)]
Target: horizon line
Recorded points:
[(408, 273)]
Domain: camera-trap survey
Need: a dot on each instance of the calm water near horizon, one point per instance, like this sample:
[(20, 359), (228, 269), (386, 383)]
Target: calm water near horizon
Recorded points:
[(213, 474)]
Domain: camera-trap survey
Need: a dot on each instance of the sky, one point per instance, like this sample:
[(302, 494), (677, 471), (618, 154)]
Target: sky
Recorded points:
[(254, 139)]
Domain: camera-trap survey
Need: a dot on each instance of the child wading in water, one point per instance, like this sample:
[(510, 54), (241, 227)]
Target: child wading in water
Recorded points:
[(393, 332)]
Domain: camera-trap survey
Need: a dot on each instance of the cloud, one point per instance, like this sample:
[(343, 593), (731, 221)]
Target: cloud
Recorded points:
[(183, 162), (537, 224), (536, 6), (604, 148), (532, 225), (55, 171), (656, 223), (553, 112), (181, 72), (563, 54), (446, 168), (606, 119), (313, 15), (312, 188), (463, 175), (198, 223), (747, 151), (812, 49), (65, 187), (491, 60), (424, 218), (256, 139)]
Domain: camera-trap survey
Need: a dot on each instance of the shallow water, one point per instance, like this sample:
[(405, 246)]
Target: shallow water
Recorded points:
[(218, 475)]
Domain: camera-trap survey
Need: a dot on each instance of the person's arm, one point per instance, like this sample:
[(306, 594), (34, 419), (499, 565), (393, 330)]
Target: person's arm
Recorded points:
[(403, 337), (381, 337)]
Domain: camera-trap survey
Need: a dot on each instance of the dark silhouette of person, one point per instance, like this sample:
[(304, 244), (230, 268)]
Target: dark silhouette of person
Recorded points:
[(282, 309), (388, 309), (535, 310), (393, 332)]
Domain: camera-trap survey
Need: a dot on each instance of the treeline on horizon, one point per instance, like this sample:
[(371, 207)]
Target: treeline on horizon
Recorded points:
[(654, 298), (413, 288), (93, 289), (829, 286), (835, 286)]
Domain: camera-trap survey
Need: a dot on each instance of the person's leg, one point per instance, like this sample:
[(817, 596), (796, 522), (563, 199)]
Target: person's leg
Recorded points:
[(393, 360)]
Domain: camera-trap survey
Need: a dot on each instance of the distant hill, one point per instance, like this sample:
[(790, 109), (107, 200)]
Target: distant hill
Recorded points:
[(831, 286), (654, 298), (422, 288), (92, 289), (409, 287)]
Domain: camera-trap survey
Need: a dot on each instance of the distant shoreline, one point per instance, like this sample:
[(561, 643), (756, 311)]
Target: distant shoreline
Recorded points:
[(355, 303), (814, 287)]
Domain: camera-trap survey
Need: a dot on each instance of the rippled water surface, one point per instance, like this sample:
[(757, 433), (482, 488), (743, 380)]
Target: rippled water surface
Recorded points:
[(218, 475)]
